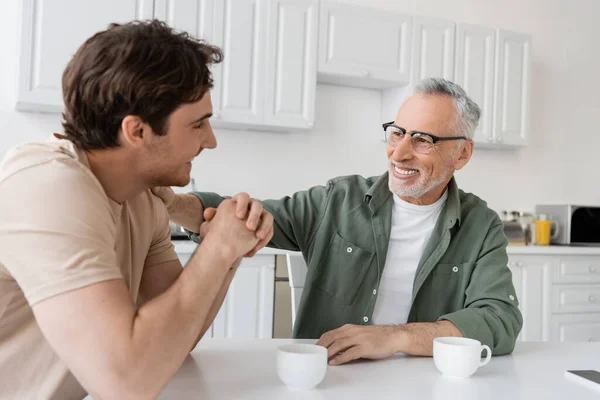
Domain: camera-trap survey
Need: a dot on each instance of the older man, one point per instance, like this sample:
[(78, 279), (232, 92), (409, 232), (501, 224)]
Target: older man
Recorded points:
[(397, 260)]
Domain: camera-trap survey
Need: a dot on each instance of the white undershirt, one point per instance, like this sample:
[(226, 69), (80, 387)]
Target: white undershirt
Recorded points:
[(411, 229)]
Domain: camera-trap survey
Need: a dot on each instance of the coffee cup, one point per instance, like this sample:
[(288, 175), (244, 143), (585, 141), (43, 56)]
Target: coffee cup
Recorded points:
[(301, 366), (459, 357)]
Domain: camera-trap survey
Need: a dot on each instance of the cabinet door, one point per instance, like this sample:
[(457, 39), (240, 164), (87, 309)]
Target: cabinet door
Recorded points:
[(240, 29), (474, 71), (363, 47), (512, 87), (193, 16), (532, 277), (433, 49), (52, 31), (575, 298), (291, 78), (247, 311), (576, 328)]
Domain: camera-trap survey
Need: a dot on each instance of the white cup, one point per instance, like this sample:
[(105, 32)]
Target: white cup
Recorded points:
[(301, 366), (458, 357)]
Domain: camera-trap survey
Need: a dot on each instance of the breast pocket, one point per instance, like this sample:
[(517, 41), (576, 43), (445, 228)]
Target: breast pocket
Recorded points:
[(450, 282), (342, 270)]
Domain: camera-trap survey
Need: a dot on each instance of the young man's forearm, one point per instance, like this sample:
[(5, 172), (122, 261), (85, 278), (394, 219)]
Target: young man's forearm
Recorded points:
[(417, 338), (186, 210), (165, 328), (216, 306)]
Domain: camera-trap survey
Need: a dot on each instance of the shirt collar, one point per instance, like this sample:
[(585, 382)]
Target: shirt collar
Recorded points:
[(379, 193)]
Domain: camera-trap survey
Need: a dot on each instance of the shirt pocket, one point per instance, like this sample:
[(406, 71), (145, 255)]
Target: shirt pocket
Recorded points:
[(342, 270), (450, 282)]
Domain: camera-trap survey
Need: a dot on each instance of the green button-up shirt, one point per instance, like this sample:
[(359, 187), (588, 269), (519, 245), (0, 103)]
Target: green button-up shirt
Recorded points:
[(462, 277)]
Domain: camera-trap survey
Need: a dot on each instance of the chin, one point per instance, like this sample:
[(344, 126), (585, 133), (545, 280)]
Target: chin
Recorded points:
[(179, 181), (396, 186)]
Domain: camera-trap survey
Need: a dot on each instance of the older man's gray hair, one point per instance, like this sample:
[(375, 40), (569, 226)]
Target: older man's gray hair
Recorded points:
[(468, 112)]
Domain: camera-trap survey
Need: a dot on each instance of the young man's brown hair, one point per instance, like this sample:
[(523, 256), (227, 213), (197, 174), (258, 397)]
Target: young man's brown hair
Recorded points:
[(140, 68)]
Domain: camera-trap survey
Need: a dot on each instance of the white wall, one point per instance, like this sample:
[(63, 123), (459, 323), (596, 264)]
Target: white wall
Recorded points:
[(561, 163), (16, 127)]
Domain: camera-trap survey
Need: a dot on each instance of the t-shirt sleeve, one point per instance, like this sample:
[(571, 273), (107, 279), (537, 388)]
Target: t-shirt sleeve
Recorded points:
[(162, 249), (57, 230)]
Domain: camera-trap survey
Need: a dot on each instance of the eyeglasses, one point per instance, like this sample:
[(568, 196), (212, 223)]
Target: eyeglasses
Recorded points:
[(422, 142)]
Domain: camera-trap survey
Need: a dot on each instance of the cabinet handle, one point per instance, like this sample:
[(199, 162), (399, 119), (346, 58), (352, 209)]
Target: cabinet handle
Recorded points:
[(216, 115), (591, 340), (366, 73), (592, 269), (519, 264), (592, 299), (310, 124)]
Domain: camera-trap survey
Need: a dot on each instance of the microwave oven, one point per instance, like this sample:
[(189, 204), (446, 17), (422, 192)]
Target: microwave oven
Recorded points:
[(572, 224)]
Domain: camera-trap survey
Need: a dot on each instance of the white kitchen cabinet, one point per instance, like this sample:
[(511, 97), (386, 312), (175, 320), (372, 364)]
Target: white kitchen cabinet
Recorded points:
[(291, 68), (576, 328), (268, 76), (241, 32), (575, 298), (52, 31), (559, 296), (361, 46), (531, 280), (247, 311), (512, 88), (474, 71), (432, 49), (432, 55)]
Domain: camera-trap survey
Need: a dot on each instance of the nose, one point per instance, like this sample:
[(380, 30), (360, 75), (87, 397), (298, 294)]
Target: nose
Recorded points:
[(404, 150), (211, 140)]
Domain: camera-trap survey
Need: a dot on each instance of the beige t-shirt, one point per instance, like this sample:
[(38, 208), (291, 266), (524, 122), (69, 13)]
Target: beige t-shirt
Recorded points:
[(58, 232)]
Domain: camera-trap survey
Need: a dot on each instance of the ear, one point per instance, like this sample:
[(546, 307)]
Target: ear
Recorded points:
[(464, 155), (133, 130)]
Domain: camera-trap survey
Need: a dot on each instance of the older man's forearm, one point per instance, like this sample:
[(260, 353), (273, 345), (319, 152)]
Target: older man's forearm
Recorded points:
[(186, 210), (416, 339)]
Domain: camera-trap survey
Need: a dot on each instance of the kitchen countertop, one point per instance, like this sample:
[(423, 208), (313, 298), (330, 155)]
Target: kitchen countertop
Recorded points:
[(187, 246), (554, 250)]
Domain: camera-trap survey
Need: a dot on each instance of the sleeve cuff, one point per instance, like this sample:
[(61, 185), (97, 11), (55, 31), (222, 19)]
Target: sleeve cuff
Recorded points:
[(471, 324), (208, 200), (195, 237)]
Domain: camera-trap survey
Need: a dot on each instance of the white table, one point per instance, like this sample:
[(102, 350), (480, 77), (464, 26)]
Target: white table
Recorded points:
[(237, 369)]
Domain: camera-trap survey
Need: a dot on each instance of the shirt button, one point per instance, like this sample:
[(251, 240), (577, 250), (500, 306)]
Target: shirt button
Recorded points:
[(455, 269), (374, 291), (511, 297), (366, 319), (349, 249)]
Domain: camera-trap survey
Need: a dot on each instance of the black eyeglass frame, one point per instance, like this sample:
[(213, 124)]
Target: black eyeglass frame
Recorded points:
[(434, 138)]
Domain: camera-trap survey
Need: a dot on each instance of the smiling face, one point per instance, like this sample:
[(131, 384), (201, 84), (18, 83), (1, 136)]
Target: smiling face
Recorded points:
[(422, 178), (168, 158)]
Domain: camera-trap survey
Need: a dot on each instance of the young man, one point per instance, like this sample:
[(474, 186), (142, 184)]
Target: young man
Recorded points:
[(92, 295)]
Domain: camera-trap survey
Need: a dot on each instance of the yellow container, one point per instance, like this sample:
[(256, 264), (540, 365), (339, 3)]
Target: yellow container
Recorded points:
[(543, 229)]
